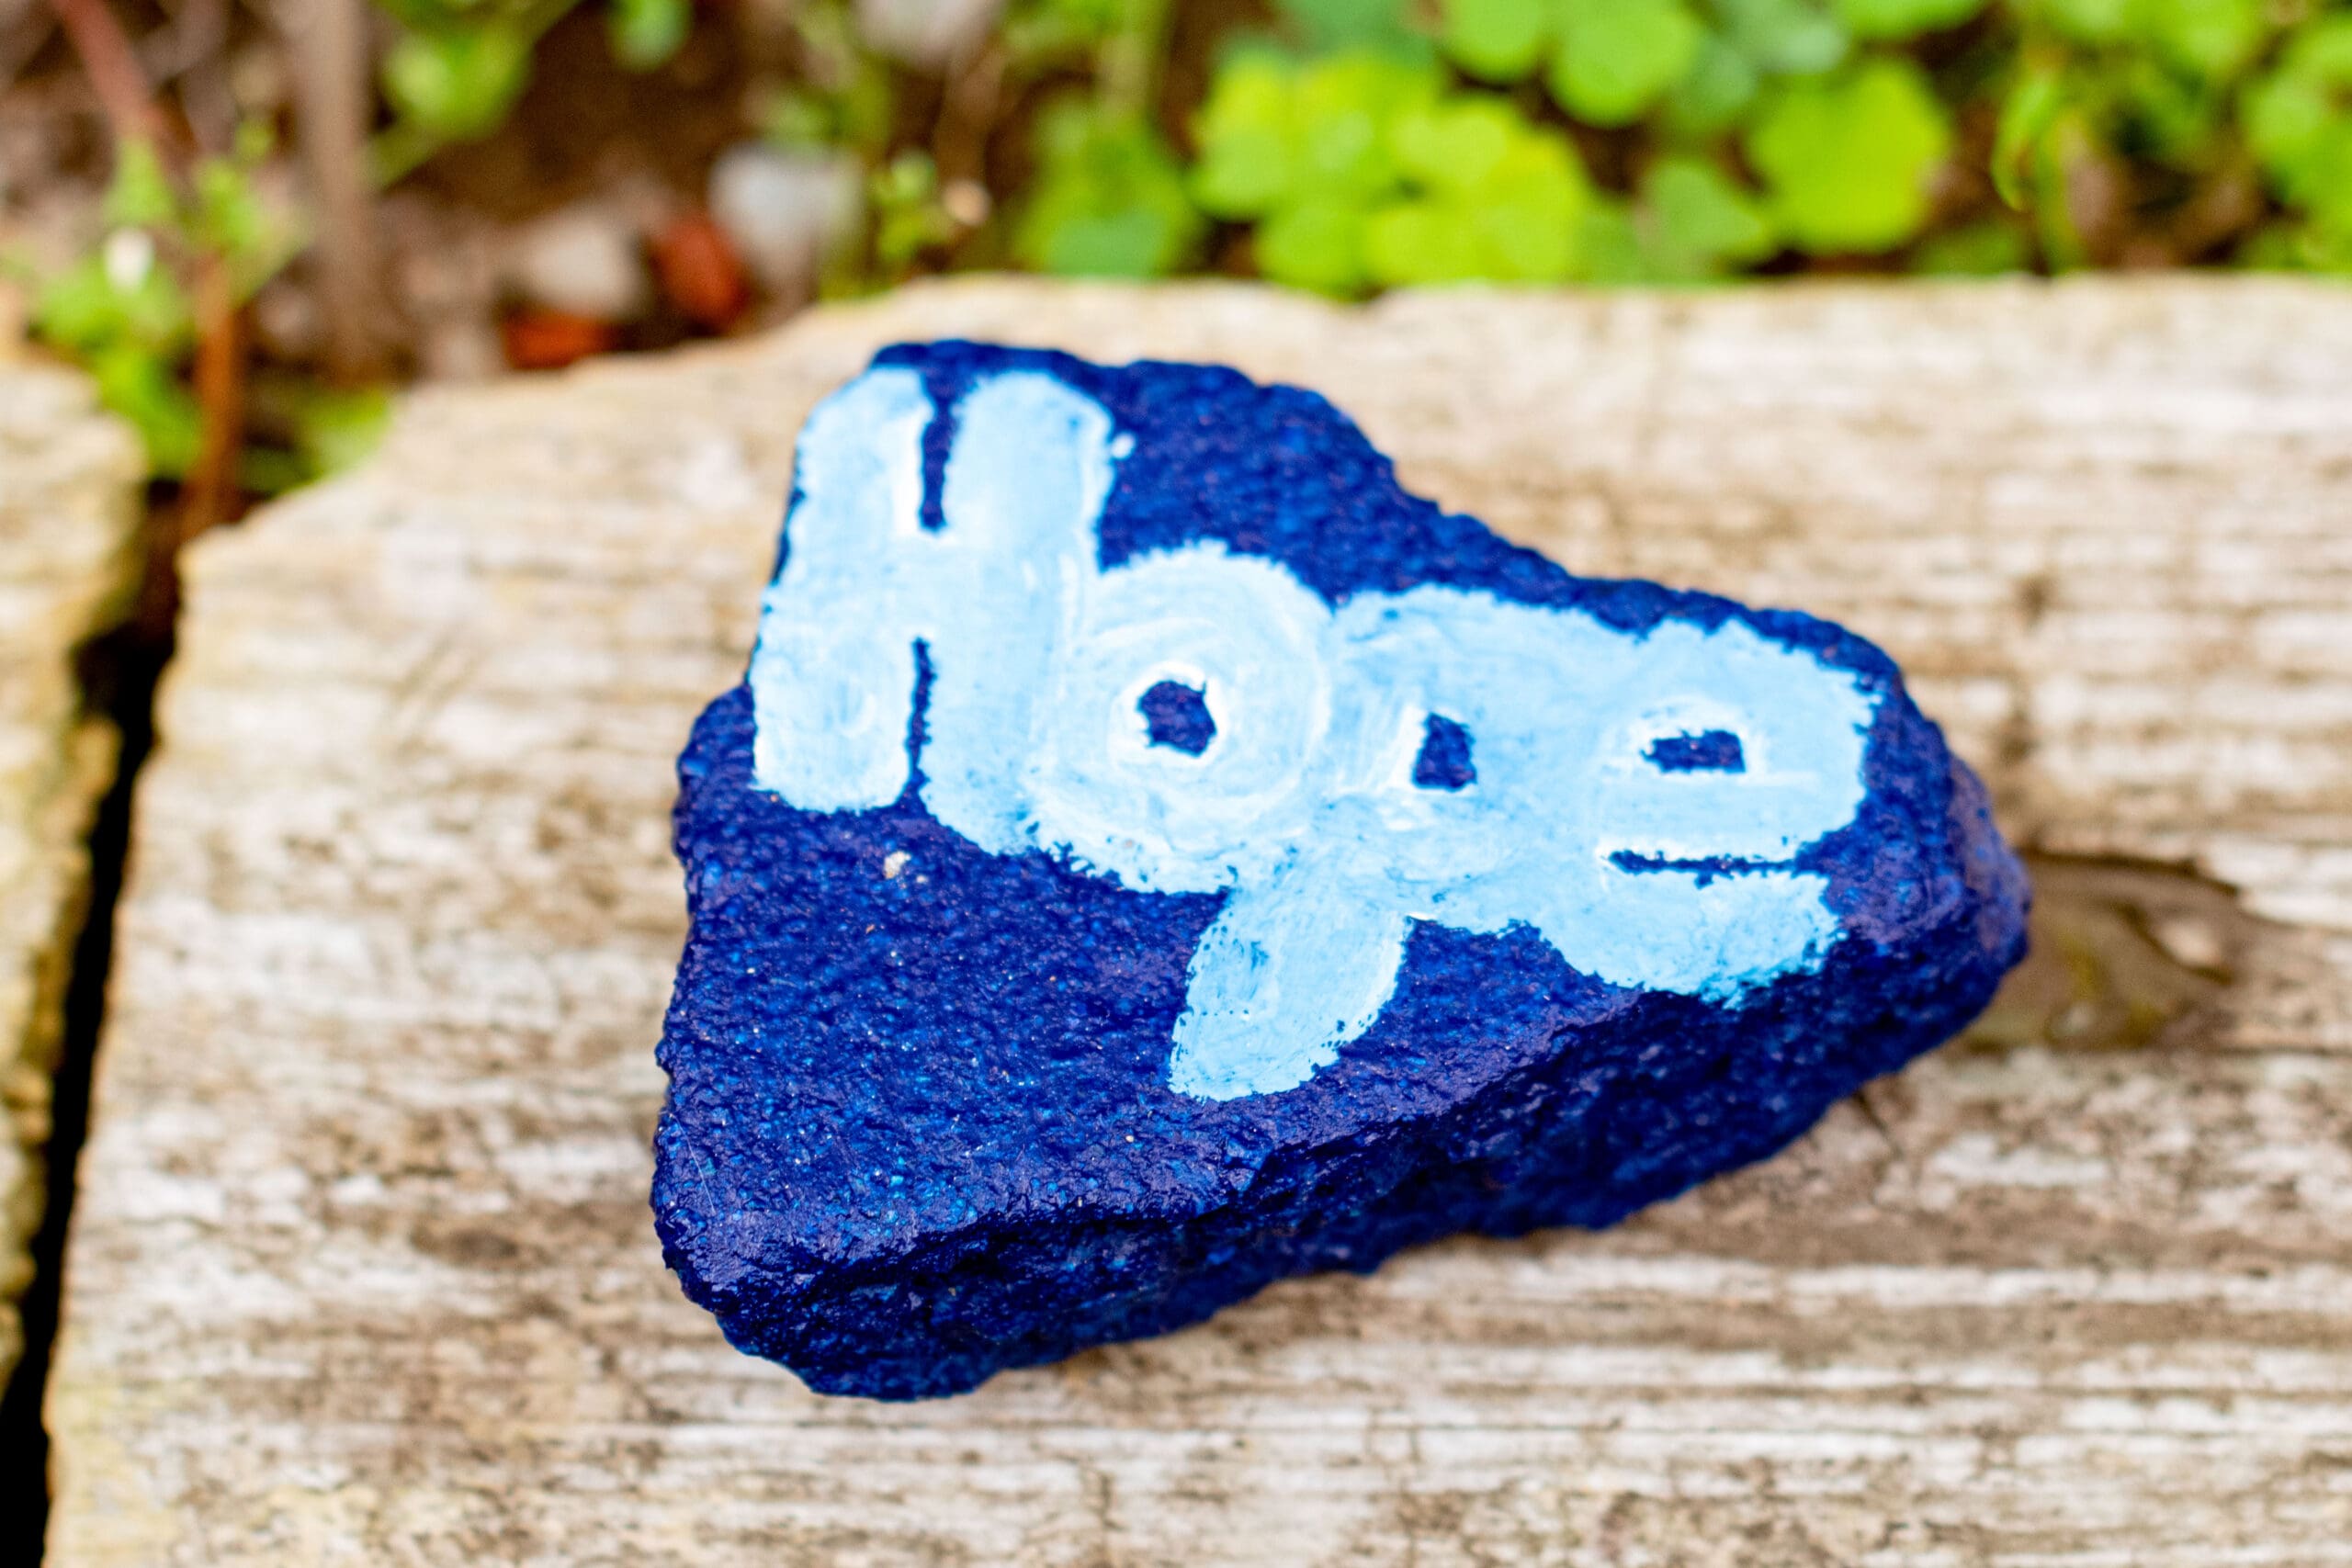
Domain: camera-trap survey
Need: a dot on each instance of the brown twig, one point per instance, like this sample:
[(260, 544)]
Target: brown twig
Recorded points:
[(329, 41), (209, 492), (113, 70), (967, 110)]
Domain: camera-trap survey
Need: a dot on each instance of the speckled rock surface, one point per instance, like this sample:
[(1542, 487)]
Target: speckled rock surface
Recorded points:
[(924, 1122), (68, 499)]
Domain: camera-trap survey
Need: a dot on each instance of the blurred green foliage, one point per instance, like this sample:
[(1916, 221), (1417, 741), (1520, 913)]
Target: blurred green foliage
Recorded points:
[(457, 68), (1110, 200), (1355, 144), (124, 311), (1363, 168), (1348, 146)]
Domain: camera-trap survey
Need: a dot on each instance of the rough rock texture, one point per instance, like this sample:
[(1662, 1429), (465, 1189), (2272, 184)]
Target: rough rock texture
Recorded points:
[(362, 1269), (69, 510), (926, 1117)]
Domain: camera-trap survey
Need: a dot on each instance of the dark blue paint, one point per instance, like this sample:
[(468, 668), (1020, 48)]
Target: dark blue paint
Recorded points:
[(1444, 760), (1713, 749), (1175, 714), (919, 1130)]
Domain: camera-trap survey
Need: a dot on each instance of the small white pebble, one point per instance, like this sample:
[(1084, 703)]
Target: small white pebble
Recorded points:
[(893, 863)]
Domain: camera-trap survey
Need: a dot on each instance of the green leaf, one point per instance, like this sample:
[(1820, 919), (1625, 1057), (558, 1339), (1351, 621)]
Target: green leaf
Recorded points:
[(1701, 218), (140, 196), (1617, 57), (301, 430), (1343, 111), (1783, 37), (1272, 131), (646, 33), (336, 429), (1847, 160), (1517, 219), (91, 307), (1246, 158), (1318, 244), (908, 218), (2027, 114), (232, 221), (458, 84), (1495, 40), (1715, 92), (1362, 170), (1694, 224), (1109, 199), (1529, 214), (1609, 247), (1979, 250), (2167, 117), (1457, 144), (1422, 242), (2298, 247), (145, 390), (2211, 39), (2299, 122), (1904, 18), (2289, 111)]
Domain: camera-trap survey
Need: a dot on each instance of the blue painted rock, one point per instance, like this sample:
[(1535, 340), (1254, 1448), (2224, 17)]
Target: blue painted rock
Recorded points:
[(1152, 855)]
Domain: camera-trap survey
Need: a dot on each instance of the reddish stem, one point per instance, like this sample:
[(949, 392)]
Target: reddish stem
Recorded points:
[(113, 70)]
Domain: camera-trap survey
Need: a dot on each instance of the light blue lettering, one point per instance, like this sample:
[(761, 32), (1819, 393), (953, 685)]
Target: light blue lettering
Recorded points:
[(1302, 808)]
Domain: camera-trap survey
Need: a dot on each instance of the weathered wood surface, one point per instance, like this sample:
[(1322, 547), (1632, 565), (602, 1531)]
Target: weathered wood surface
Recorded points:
[(362, 1271), (69, 500)]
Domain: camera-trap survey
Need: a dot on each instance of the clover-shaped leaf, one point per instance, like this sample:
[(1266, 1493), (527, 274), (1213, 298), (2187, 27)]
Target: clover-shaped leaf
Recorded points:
[(1489, 196), (1495, 40), (1343, 108), (1456, 145), (1617, 57), (1848, 159), (457, 83), (1247, 159), (1275, 132), (1360, 171), (647, 33)]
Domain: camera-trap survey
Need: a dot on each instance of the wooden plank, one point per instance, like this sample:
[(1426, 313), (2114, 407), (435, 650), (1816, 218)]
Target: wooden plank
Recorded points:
[(68, 512), (363, 1271)]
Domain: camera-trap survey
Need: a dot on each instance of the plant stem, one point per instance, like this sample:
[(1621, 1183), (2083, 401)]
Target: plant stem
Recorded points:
[(329, 41), (210, 490), (221, 390), (113, 70), (1128, 73)]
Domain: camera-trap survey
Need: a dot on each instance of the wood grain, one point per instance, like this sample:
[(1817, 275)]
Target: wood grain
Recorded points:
[(69, 495), (362, 1271)]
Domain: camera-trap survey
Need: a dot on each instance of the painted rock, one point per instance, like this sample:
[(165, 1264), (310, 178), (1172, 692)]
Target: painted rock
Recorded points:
[(1152, 855)]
